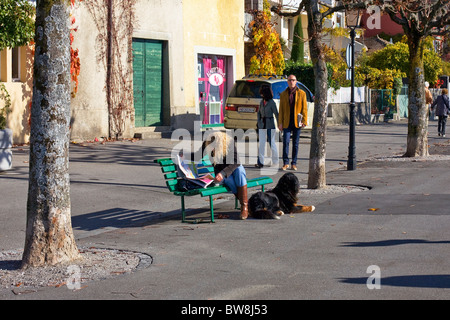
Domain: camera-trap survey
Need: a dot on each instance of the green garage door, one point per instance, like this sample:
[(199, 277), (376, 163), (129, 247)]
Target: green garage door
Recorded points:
[(147, 78)]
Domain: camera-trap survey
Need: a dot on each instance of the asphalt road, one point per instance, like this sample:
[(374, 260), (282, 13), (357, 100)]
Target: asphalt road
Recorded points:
[(395, 234)]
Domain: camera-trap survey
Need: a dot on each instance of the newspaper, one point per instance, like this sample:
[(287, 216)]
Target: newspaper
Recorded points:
[(190, 170)]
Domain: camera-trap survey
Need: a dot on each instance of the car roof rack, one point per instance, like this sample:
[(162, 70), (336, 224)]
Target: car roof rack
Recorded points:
[(265, 76)]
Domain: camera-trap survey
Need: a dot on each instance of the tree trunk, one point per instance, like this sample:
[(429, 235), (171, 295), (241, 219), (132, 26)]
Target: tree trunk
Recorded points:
[(417, 141), (49, 237), (317, 173)]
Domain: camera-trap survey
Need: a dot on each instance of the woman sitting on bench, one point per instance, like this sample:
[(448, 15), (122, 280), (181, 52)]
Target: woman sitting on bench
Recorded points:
[(228, 170)]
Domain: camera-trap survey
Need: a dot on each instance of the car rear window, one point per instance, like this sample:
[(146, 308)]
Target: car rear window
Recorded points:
[(246, 89), (278, 87)]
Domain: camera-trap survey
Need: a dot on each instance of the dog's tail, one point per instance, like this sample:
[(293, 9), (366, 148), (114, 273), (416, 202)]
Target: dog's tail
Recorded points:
[(298, 208), (264, 214)]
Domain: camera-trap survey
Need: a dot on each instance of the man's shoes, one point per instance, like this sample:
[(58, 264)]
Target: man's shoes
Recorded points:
[(285, 167), (294, 167), (258, 165)]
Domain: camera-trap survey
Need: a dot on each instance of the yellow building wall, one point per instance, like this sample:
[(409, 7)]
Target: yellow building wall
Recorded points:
[(208, 27), (215, 27), (20, 92)]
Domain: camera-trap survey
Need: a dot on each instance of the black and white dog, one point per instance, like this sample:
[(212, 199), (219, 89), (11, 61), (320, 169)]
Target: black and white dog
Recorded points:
[(280, 200)]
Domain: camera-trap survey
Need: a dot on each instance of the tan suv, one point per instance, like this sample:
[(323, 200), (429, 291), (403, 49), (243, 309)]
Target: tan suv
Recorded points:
[(243, 101)]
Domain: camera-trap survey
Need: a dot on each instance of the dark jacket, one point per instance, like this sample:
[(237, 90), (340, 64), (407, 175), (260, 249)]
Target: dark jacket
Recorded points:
[(266, 114), (442, 105)]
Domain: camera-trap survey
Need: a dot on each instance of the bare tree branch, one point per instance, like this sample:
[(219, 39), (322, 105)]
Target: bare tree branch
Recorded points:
[(345, 6), (277, 10), (425, 18), (394, 15), (439, 16)]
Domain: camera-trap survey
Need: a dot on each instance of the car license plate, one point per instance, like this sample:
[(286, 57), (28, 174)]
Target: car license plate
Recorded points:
[(244, 109)]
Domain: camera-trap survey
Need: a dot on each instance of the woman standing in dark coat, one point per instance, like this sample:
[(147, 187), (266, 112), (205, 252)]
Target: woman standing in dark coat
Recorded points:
[(267, 114)]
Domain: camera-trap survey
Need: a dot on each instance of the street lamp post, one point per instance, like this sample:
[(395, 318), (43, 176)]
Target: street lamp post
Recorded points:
[(353, 20)]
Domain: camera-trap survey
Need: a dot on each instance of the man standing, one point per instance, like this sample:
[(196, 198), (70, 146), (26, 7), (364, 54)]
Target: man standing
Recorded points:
[(293, 116)]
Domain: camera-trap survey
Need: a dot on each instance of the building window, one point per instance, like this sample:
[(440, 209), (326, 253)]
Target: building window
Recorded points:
[(290, 23), (339, 20), (253, 5), (15, 65)]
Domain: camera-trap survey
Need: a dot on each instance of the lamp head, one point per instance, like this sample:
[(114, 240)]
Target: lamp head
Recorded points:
[(353, 18)]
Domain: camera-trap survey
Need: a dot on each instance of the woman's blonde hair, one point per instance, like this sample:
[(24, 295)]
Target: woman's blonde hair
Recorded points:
[(217, 146), (444, 91)]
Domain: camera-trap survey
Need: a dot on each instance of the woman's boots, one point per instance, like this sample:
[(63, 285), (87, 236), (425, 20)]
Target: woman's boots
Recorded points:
[(243, 200)]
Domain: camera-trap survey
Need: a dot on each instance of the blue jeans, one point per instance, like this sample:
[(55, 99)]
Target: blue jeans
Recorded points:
[(286, 139), (264, 136), (441, 124), (237, 179)]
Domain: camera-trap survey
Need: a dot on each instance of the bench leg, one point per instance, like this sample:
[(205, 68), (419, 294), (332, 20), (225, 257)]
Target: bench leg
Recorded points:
[(211, 208), (183, 211)]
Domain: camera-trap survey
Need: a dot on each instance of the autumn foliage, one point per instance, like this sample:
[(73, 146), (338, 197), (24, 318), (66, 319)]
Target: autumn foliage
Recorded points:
[(268, 58), (75, 64)]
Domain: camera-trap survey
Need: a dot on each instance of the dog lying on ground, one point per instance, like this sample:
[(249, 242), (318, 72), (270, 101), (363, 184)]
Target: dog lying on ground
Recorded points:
[(280, 200)]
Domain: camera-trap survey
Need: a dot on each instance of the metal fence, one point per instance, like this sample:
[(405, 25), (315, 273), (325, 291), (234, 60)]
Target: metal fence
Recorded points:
[(382, 101), (402, 101)]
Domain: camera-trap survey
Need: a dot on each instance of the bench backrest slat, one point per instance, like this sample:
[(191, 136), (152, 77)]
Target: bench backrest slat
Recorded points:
[(169, 168), (165, 162), (171, 175), (171, 184), (204, 170)]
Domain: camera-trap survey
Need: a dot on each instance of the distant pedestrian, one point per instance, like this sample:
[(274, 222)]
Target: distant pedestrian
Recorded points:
[(266, 125), (293, 116), (442, 110), (429, 100)]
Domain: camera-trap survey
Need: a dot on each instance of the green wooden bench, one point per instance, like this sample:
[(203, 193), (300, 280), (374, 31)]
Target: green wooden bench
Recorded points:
[(170, 172)]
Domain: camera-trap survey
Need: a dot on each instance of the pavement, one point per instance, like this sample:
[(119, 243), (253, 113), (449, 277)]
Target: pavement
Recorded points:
[(390, 241)]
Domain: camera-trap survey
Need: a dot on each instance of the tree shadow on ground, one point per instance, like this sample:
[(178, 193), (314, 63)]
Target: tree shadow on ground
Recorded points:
[(438, 281), (392, 242), (125, 218)]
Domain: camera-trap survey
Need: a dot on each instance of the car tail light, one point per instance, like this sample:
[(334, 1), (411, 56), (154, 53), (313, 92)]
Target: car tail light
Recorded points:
[(230, 107)]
